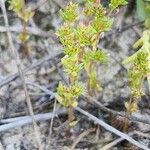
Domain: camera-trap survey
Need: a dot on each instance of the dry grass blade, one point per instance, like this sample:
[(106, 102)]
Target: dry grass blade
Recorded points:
[(110, 145), (18, 63), (81, 136), (12, 77), (51, 124)]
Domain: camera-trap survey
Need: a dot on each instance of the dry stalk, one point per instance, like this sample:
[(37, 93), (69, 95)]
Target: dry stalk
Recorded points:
[(15, 56)]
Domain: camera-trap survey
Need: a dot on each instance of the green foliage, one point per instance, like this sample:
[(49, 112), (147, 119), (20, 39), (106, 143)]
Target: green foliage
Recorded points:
[(94, 56), (16, 5), (70, 13), (67, 36), (144, 46), (72, 50), (24, 37), (140, 69), (102, 24), (84, 34), (26, 15), (143, 9), (67, 95), (80, 41), (94, 82), (94, 9), (72, 67), (114, 4), (138, 73)]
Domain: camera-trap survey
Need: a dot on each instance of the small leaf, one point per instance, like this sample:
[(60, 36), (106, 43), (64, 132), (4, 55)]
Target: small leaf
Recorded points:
[(70, 13), (74, 103), (26, 15), (15, 5), (114, 4), (73, 123), (102, 24), (24, 37)]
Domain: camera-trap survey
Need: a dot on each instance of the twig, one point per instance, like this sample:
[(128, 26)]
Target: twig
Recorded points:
[(98, 104), (51, 124), (21, 121), (12, 77), (145, 135), (132, 118), (30, 30), (81, 136), (18, 63), (39, 4), (112, 144), (115, 31), (111, 129), (52, 94)]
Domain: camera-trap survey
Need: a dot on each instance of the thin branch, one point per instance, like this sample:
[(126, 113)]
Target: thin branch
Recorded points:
[(52, 94), (21, 121), (132, 118), (18, 63), (124, 28), (38, 5), (14, 76), (30, 30), (111, 129), (98, 104), (51, 124), (112, 144), (81, 136)]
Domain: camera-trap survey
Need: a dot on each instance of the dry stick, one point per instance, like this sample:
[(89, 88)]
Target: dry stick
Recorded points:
[(98, 104), (112, 144), (132, 118), (81, 136), (51, 124), (53, 95), (25, 120), (18, 63), (96, 120), (141, 134), (100, 122), (111, 129), (42, 117), (42, 33), (38, 5), (12, 77), (30, 30)]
